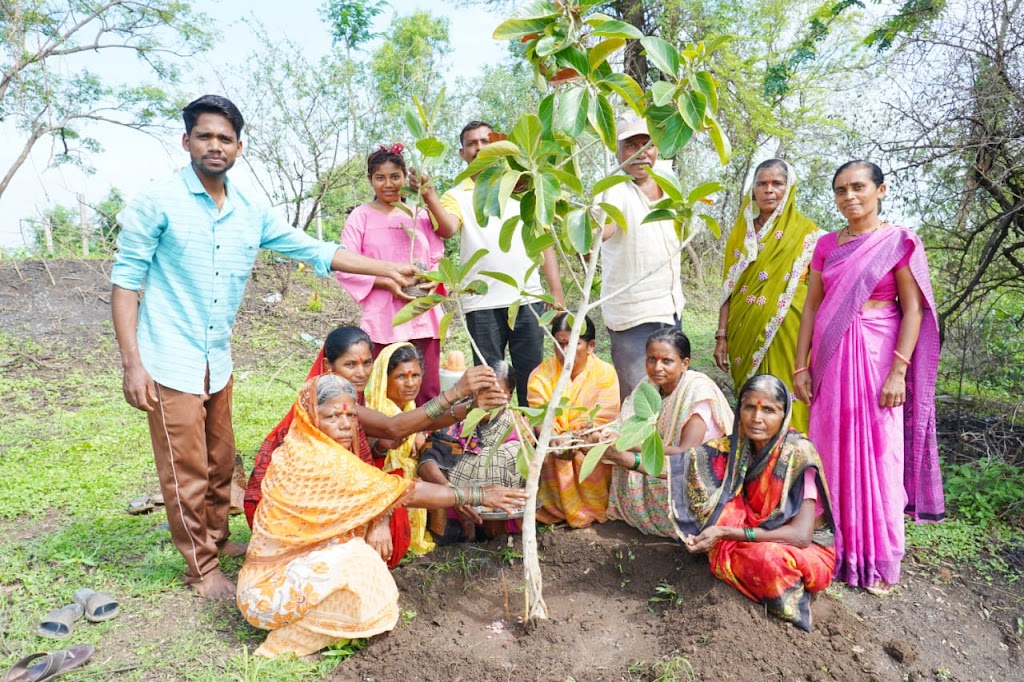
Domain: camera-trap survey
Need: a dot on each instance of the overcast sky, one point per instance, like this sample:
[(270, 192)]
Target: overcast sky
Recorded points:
[(132, 159)]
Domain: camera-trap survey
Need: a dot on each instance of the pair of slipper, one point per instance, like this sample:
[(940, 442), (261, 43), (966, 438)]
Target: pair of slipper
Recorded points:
[(46, 666), (97, 607), (145, 504)]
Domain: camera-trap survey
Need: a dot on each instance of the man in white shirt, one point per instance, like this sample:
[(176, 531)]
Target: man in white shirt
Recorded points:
[(642, 253), (487, 314)]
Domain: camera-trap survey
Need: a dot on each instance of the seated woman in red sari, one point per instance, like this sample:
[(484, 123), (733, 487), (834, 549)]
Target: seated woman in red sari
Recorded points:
[(310, 575), (347, 353), (757, 503)]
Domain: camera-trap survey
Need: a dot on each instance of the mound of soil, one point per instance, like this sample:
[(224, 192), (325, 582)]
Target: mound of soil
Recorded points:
[(624, 606)]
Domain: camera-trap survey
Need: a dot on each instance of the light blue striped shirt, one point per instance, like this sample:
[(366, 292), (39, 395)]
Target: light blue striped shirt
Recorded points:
[(195, 262)]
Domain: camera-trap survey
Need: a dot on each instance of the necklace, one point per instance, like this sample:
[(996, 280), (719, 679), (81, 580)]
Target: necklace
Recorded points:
[(851, 235)]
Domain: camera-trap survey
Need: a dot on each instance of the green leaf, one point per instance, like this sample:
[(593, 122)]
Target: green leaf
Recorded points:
[(606, 183), (534, 248), (668, 183), (615, 213), (662, 93), (646, 401), (567, 179), (574, 58), (548, 45), (662, 55), (600, 52), (579, 230), (477, 286), (633, 432), (572, 111), (517, 28), (616, 29), (508, 185), (721, 142), (513, 312), (498, 149), (592, 459), (465, 268), (416, 308), (502, 277), (692, 106), (421, 112), (438, 101), (442, 327), (449, 272), (526, 134), (652, 454), (485, 194), (431, 147), (622, 84), (547, 190), (471, 421), (548, 317), (712, 224), (413, 122), (669, 132), (508, 230), (658, 214), (701, 191), (708, 85), (546, 113), (602, 120), (522, 459)]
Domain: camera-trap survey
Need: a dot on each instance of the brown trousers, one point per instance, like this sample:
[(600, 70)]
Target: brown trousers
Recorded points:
[(194, 447)]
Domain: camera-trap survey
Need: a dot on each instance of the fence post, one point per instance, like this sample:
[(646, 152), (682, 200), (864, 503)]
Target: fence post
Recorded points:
[(84, 223)]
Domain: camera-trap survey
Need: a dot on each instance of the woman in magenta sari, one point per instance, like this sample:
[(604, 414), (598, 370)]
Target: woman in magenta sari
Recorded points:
[(866, 360)]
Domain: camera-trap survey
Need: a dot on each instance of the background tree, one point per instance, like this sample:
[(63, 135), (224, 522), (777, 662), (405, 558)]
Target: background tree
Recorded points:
[(298, 125), (47, 89), (953, 135)]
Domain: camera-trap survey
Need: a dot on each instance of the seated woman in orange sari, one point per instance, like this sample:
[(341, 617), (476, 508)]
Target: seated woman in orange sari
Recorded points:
[(593, 386), (310, 577), (347, 353), (757, 503)]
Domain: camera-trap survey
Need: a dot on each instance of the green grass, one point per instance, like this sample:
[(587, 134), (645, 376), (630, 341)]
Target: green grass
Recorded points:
[(72, 453)]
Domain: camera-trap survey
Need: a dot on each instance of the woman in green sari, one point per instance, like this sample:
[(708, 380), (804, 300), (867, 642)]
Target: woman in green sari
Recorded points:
[(765, 282)]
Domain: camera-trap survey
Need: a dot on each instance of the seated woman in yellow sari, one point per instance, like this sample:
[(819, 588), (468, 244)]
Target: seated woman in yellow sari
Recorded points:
[(757, 503), (309, 575), (693, 410), (593, 384), (391, 389)]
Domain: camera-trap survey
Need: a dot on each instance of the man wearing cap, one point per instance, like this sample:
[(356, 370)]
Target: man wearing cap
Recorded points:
[(487, 314), (641, 255)]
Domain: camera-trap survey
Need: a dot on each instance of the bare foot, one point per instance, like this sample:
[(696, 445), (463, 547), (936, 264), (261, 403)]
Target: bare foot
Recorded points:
[(215, 586), (232, 548)]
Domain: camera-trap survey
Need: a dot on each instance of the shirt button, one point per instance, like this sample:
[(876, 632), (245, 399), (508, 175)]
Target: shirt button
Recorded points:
[(216, 274), (218, 246), (211, 326), (214, 300)]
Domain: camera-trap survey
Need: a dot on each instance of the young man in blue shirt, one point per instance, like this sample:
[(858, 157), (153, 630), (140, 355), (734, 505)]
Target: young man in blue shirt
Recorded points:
[(193, 240)]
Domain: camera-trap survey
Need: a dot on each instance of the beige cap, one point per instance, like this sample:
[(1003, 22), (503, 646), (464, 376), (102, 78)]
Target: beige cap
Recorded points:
[(630, 125)]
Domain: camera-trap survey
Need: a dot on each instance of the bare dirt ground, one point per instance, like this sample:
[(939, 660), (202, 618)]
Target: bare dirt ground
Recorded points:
[(461, 604)]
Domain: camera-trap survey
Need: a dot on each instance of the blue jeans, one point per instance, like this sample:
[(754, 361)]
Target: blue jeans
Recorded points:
[(525, 341), (629, 354)]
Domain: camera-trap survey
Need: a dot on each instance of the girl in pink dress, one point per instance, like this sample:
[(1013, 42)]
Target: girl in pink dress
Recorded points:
[(866, 361), (383, 227)]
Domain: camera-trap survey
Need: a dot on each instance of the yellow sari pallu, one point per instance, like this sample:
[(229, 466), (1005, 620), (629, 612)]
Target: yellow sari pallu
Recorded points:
[(309, 576), (765, 283), (403, 456)]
